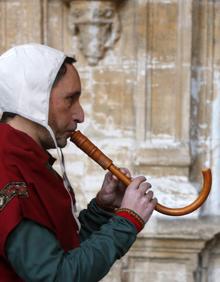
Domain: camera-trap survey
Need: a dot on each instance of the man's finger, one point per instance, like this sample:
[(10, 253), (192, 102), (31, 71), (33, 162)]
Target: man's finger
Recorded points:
[(136, 182), (125, 171), (144, 187)]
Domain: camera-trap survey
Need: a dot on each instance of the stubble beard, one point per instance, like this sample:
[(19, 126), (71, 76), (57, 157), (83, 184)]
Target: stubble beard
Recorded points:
[(61, 142), (48, 142)]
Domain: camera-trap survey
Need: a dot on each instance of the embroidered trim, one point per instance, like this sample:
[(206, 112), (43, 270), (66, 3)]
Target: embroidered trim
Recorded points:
[(133, 216), (12, 190)]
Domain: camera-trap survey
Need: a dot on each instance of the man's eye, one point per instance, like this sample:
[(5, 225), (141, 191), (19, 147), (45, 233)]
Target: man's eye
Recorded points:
[(70, 98)]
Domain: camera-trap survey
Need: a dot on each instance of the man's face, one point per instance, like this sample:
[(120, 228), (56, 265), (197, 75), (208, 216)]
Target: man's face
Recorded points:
[(65, 110)]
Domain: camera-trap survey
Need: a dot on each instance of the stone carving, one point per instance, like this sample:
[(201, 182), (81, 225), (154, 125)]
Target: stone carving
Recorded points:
[(97, 25)]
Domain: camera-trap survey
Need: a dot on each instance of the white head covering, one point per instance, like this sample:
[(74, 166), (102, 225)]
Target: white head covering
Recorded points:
[(27, 73)]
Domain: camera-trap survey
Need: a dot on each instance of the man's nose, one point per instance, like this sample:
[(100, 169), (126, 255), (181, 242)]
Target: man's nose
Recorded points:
[(80, 116)]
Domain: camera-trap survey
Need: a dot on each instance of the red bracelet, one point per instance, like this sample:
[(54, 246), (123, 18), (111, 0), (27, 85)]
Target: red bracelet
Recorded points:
[(131, 216)]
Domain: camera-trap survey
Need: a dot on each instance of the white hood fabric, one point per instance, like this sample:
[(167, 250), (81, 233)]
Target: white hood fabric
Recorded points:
[(27, 73)]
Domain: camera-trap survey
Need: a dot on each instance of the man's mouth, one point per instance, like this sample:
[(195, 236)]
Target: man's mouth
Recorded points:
[(69, 132)]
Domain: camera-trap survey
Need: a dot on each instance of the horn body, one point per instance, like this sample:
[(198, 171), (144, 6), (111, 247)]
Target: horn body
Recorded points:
[(98, 156)]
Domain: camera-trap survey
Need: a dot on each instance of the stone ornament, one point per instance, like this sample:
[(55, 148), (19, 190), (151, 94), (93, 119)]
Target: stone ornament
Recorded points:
[(97, 25)]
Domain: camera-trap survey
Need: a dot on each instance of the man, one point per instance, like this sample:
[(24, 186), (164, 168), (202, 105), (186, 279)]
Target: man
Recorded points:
[(41, 239)]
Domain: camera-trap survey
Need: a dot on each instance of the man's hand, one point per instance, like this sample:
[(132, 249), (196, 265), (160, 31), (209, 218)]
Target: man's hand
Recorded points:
[(136, 196), (112, 192), (139, 199)]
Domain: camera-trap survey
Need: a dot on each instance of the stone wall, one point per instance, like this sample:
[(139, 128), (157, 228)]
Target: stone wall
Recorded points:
[(150, 76)]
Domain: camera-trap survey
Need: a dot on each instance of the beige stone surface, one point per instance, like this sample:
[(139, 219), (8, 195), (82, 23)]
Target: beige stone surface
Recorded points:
[(152, 103)]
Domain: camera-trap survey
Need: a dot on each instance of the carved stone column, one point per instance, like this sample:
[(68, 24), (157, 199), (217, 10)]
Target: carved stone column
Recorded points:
[(96, 23)]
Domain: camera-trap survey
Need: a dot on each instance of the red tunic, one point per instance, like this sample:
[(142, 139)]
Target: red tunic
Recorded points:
[(31, 189)]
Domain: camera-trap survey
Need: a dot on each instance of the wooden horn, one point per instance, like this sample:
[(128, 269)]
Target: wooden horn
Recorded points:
[(97, 155)]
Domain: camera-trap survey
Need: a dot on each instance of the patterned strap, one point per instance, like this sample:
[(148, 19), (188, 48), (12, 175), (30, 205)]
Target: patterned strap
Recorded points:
[(11, 190)]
